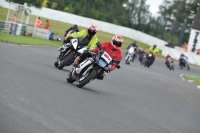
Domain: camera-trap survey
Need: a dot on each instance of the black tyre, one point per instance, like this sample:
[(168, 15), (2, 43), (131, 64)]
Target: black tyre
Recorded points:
[(127, 60), (133, 59), (66, 61), (56, 64), (188, 67), (148, 63), (180, 67), (70, 79), (143, 62), (89, 77)]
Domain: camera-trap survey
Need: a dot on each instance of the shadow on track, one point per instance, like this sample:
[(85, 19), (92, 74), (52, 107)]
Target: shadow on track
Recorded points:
[(84, 88)]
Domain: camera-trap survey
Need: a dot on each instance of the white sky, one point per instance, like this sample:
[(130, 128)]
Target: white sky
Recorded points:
[(154, 5)]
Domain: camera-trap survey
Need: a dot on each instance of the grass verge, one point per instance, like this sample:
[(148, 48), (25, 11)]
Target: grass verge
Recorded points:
[(27, 40), (196, 79)]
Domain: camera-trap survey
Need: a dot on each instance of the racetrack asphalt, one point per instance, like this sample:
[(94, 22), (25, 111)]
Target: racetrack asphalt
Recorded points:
[(36, 98)]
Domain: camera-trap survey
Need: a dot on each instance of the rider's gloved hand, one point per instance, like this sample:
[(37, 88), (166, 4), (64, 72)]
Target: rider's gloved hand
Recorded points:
[(69, 37), (95, 50)]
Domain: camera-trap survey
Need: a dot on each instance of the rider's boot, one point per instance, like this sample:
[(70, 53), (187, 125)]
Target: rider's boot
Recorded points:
[(76, 61)]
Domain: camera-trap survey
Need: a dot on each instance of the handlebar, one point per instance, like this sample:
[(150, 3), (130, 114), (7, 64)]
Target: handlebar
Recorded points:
[(99, 46)]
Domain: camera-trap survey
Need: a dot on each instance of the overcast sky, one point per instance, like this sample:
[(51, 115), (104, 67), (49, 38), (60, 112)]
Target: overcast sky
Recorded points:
[(154, 5)]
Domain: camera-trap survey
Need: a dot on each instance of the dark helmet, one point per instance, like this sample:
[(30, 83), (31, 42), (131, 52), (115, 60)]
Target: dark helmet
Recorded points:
[(182, 54), (92, 30), (75, 27), (116, 41), (155, 45), (134, 42), (168, 55)]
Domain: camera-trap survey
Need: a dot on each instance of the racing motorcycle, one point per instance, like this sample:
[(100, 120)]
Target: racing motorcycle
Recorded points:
[(69, 52), (130, 55), (170, 63), (149, 60), (91, 68), (142, 58), (184, 63)]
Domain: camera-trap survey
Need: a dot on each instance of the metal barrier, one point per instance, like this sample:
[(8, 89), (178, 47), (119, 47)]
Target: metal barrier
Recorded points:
[(39, 32), (7, 27), (19, 29)]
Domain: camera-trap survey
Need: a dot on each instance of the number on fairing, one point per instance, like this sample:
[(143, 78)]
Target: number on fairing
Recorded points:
[(107, 57)]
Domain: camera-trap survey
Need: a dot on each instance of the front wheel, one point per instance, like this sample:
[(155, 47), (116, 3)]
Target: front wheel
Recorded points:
[(188, 67), (148, 63), (56, 64), (181, 67), (127, 60), (88, 78), (173, 68), (66, 61)]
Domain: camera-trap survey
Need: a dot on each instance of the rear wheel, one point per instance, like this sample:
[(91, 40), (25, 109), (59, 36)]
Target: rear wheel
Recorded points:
[(67, 61), (88, 78)]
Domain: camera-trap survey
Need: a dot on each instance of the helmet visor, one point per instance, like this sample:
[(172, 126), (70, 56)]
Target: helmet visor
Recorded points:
[(91, 32), (117, 43)]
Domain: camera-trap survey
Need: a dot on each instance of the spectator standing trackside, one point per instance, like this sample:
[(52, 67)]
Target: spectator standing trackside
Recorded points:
[(14, 21), (47, 25), (198, 52), (186, 47), (38, 23)]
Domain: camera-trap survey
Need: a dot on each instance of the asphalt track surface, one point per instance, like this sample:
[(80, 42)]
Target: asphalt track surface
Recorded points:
[(36, 98)]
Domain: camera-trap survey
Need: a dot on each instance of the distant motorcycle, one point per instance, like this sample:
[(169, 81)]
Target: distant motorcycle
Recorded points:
[(90, 68), (170, 63), (184, 63), (149, 60), (69, 52), (130, 55), (142, 58)]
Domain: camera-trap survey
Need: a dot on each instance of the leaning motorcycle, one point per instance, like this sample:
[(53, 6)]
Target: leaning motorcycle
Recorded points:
[(184, 63), (142, 58), (91, 68), (170, 63), (69, 52), (149, 60), (129, 55)]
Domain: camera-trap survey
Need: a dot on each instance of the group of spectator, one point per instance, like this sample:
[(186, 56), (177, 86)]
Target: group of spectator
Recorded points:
[(38, 24)]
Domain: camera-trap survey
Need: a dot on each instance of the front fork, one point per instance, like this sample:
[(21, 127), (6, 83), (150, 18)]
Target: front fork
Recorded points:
[(63, 54)]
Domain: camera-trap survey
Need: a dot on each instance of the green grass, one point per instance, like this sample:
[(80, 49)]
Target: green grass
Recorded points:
[(27, 40), (196, 79), (58, 28)]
